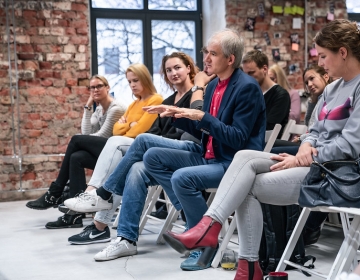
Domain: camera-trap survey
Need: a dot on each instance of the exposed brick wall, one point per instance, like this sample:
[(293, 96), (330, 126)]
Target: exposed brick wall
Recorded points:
[(236, 15), (53, 52), (53, 44)]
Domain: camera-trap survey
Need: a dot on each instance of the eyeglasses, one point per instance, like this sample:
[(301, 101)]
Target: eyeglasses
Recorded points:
[(99, 86)]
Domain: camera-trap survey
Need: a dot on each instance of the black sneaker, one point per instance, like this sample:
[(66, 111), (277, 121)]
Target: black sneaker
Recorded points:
[(64, 209), (89, 235), (66, 221)]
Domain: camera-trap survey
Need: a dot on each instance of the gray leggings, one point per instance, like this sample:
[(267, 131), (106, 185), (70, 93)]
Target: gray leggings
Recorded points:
[(247, 182)]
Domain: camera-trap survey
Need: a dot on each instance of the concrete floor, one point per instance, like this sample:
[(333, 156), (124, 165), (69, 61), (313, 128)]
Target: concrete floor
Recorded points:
[(30, 251)]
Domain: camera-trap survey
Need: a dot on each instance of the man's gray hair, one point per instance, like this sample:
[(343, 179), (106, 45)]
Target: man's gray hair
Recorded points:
[(231, 43)]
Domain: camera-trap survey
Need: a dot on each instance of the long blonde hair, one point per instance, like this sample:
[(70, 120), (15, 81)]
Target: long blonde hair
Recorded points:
[(281, 79), (141, 71)]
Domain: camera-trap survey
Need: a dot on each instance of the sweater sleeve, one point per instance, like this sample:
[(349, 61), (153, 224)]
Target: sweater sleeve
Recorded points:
[(86, 127), (113, 115), (122, 128), (145, 122)]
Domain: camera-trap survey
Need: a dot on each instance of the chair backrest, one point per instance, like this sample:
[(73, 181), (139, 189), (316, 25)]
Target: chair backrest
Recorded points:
[(293, 128), (270, 137)]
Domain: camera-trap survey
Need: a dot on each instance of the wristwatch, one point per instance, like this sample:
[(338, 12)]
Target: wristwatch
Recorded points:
[(87, 107), (195, 88)]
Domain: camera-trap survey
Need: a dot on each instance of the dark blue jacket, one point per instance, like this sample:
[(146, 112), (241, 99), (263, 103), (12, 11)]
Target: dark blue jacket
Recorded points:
[(241, 120)]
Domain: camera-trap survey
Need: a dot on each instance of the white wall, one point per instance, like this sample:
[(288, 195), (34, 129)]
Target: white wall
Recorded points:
[(213, 17)]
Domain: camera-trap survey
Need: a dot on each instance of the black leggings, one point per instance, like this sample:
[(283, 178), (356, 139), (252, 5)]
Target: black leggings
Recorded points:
[(82, 152)]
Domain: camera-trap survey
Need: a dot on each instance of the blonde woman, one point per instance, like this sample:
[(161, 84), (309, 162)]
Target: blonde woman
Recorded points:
[(277, 74)]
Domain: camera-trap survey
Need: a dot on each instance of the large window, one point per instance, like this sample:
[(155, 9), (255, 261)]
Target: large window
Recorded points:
[(353, 9), (132, 31)]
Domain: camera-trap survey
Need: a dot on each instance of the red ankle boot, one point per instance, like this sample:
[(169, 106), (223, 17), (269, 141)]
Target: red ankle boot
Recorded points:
[(204, 234), (248, 271)]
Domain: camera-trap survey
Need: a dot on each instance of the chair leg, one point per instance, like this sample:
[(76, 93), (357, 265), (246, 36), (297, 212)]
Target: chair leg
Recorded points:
[(116, 221), (293, 239), (348, 250), (224, 243), (172, 216), (153, 195)]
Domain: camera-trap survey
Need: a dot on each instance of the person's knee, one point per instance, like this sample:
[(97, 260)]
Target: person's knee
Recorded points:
[(151, 157), (77, 158), (182, 183)]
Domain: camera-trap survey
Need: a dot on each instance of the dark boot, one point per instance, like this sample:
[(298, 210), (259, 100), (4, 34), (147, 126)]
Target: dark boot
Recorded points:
[(202, 236), (66, 221), (248, 271), (52, 198)]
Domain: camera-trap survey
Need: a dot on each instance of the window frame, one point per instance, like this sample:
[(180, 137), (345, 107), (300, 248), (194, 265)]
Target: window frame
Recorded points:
[(146, 16)]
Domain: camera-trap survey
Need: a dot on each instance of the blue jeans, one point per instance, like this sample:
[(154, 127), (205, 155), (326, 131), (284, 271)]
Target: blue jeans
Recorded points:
[(187, 174), (134, 196), (116, 181), (130, 172)]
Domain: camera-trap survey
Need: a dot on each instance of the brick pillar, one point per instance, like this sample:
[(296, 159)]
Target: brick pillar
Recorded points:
[(53, 59)]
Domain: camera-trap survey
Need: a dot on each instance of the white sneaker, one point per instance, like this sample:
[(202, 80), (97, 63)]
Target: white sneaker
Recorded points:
[(88, 202), (116, 249)]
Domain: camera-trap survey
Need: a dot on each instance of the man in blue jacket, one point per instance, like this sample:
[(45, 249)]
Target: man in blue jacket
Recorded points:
[(233, 118)]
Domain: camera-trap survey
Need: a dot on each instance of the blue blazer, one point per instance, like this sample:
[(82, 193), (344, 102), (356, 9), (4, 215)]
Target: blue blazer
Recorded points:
[(241, 120)]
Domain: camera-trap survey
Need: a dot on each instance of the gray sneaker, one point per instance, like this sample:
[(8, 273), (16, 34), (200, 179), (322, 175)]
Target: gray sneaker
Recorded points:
[(116, 249)]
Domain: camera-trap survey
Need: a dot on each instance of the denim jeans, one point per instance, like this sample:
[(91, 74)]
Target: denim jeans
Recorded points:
[(117, 180), (134, 196), (130, 172), (246, 183), (187, 174)]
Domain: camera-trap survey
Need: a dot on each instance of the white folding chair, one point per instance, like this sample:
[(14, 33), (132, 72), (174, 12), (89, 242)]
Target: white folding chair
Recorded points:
[(348, 250), (173, 214), (270, 138), (293, 128)]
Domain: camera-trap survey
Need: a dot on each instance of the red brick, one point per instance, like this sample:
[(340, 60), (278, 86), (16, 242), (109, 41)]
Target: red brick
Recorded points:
[(69, 14), (46, 83), (44, 74), (26, 48), (30, 65), (28, 56), (66, 91), (74, 115), (54, 91), (29, 125), (79, 40), (29, 176), (33, 83), (33, 133), (36, 91), (70, 31), (29, 14), (40, 22), (58, 14), (79, 24), (80, 90), (22, 84), (34, 116), (46, 116), (82, 31), (71, 82), (57, 74), (37, 184), (45, 65), (3, 73), (78, 7), (55, 49)]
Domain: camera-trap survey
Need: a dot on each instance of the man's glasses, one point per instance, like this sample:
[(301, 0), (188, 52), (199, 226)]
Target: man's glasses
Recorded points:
[(99, 86)]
